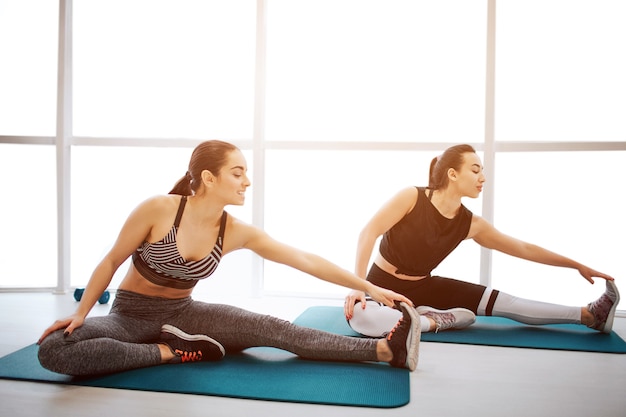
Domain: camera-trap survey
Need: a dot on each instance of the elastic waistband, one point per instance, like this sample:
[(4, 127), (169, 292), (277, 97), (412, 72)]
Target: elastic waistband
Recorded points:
[(146, 306)]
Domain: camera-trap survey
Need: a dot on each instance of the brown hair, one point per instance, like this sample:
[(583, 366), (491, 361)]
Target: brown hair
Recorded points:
[(452, 157), (210, 155)]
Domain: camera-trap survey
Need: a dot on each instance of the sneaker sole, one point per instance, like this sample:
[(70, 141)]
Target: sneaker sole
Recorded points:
[(167, 328), (423, 309), (413, 341), (608, 325)]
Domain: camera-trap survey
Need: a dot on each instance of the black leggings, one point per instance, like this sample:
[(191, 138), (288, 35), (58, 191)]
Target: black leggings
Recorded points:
[(438, 292), (127, 337)]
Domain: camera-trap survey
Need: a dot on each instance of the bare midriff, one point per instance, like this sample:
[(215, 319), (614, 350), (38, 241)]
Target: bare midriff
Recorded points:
[(135, 282), (389, 268)]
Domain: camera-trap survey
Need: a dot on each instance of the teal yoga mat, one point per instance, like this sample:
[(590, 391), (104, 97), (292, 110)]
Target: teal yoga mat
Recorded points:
[(492, 331), (258, 373)]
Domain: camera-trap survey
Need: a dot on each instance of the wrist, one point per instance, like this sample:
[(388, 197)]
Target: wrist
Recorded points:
[(368, 287)]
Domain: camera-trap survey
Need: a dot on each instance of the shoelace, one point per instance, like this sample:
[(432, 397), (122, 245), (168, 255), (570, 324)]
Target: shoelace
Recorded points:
[(394, 328), (600, 309), (189, 356), (442, 320)]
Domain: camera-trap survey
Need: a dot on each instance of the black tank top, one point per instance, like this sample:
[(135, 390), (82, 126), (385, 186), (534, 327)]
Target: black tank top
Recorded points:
[(424, 237)]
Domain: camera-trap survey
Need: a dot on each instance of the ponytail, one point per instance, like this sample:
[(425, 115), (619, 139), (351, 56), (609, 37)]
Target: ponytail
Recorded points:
[(432, 183), (183, 186)]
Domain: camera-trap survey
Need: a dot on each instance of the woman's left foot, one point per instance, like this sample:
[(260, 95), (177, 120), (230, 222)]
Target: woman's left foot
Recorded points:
[(603, 309), (454, 318)]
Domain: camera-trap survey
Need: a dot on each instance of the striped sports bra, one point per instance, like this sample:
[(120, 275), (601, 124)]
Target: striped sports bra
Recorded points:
[(161, 263)]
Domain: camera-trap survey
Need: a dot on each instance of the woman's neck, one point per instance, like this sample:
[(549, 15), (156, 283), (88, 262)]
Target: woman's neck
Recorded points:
[(447, 202), (204, 211)]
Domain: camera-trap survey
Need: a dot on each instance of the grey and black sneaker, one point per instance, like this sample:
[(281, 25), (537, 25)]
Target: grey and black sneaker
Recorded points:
[(404, 338), (190, 347), (454, 318), (603, 309)]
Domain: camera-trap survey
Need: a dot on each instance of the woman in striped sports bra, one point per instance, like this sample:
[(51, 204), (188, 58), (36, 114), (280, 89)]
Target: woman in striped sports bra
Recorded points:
[(177, 240), (421, 226)]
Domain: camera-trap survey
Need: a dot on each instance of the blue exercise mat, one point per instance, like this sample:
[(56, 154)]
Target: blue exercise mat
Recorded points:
[(492, 331), (257, 373)]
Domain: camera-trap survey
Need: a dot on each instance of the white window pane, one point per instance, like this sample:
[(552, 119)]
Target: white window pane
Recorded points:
[(28, 250), (28, 70), (560, 70), (567, 202), (320, 200), (107, 184), (375, 70), (164, 68)]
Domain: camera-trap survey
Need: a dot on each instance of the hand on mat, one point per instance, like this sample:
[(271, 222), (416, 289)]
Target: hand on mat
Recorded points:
[(69, 324), (589, 273)]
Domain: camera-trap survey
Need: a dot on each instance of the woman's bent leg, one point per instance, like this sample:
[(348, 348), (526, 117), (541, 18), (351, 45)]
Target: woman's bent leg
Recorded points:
[(375, 320), (101, 345), (124, 339)]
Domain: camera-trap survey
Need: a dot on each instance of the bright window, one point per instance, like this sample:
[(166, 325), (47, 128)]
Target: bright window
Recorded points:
[(560, 70), (28, 249), (163, 68), (375, 70), (28, 72)]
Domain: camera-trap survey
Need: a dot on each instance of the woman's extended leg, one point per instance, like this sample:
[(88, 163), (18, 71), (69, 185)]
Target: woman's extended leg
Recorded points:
[(237, 329), (597, 315), (446, 293)]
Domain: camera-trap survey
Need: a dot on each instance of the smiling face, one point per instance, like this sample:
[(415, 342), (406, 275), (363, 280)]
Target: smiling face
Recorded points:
[(231, 183)]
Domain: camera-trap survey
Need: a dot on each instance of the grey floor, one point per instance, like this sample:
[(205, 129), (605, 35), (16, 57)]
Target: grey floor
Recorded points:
[(451, 380)]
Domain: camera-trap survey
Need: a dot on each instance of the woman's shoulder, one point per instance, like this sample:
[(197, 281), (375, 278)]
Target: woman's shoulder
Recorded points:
[(410, 191), (237, 225), (239, 234), (405, 199), (163, 201), (159, 205)]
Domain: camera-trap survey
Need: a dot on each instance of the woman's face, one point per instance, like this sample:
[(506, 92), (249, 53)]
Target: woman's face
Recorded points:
[(233, 180), (470, 178)]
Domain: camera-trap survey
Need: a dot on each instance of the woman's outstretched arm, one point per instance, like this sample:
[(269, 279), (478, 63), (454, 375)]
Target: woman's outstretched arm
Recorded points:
[(273, 250), (489, 237)]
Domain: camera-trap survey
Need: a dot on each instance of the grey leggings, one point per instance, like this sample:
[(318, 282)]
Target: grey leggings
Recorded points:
[(127, 337)]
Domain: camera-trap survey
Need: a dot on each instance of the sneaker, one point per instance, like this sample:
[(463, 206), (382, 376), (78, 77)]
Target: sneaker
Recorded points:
[(603, 309), (404, 338), (190, 347), (454, 318)]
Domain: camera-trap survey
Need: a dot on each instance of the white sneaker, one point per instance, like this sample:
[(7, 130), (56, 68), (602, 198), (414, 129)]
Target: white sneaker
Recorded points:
[(454, 318)]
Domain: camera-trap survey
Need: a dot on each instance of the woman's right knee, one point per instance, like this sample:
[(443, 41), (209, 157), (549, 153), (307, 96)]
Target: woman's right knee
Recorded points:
[(49, 349), (375, 320)]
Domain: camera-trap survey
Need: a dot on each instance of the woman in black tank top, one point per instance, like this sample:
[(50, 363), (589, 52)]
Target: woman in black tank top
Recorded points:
[(421, 226)]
